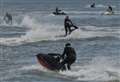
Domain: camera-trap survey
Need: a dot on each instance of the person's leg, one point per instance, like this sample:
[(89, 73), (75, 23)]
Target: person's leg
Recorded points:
[(70, 62), (65, 29), (67, 63), (75, 26), (68, 67), (8, 19), (69, 29), (63, 64)]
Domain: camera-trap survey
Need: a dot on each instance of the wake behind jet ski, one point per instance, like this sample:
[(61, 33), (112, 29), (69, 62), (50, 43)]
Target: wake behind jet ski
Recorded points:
[(58, 12)]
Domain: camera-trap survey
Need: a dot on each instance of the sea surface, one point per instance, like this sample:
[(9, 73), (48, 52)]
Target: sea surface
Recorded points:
[(36, 30)]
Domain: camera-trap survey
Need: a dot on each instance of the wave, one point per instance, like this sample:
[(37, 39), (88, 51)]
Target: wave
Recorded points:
[(94, 13), (99, 69), (85, 12), (100, 6), (47, 31)]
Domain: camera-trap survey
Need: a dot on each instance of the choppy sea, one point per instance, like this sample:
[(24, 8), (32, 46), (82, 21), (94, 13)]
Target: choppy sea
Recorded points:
[(36, 30)]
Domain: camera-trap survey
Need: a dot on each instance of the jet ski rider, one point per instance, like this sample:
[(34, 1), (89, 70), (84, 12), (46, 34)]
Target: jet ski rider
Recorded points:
[(69, 56)]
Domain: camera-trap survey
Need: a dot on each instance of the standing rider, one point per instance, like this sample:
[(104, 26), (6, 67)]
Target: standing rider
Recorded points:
[(68, 24), (57, 10), (69, 56)]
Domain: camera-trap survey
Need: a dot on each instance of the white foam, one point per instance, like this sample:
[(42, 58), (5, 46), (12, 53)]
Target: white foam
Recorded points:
[(46, 31), (33, 67), (41, 33), (100, 69), (84, 12)]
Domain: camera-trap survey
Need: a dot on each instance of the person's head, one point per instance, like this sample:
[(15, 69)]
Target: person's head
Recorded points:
[(67, 44), (67, 17)]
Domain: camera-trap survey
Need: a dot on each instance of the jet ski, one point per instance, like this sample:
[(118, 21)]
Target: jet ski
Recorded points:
[(108, 13), (60, 13), (50, 61)]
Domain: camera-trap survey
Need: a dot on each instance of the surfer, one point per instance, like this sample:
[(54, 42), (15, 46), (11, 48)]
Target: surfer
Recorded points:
[(8, 18), (67, 25), (69, 56)]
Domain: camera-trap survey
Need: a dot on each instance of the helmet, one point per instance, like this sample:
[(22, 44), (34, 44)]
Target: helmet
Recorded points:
[(67, 44), (67, 17)]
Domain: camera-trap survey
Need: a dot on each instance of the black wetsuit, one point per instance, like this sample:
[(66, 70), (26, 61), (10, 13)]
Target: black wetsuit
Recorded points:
[(93, 5), (57, 11), (68, 24), (110, 8), (69, 56)]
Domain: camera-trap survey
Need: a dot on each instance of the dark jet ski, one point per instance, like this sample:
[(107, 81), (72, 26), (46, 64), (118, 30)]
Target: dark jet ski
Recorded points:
[(50, 61), (60, 13)]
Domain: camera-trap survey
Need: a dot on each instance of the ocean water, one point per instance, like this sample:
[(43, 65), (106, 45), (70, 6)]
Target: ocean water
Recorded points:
[(36, 30)]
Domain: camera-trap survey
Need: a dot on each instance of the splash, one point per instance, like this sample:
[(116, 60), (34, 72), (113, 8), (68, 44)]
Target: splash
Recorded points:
[(48, 31), (100, 69)]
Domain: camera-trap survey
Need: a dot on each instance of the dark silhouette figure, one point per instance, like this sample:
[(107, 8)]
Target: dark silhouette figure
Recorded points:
[(110, 9), (68, 26), (69, 56), (93, 5), (57, 10), (8, 18)]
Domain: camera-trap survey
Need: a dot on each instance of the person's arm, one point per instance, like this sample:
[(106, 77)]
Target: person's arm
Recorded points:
[(71, 22)]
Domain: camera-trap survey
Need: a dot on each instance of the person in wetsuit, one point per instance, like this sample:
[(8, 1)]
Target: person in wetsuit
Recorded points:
[(8, 18), (110, 9), (93, 5), (69, 56), (67, 25), (57, 10)]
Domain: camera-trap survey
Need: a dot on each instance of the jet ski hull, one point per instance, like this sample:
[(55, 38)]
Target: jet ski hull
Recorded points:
[(49, 61), (108, 13), (62, 13)]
